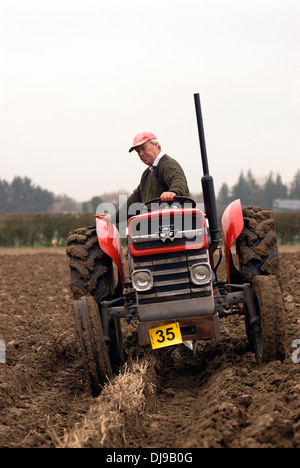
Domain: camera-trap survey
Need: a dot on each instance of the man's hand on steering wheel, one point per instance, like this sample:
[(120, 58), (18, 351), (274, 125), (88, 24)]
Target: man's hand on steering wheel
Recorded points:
[(167, 196)]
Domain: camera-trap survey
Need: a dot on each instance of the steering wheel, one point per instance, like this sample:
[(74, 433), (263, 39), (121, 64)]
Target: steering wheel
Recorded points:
[(176, 198)]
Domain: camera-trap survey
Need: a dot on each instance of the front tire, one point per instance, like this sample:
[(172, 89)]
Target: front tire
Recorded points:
[(92, 276), (268, 336), (93, 347)]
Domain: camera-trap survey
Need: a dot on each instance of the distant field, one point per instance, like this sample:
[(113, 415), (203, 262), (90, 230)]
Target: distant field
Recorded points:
[(289, 248), (31, 250), (62, 250)]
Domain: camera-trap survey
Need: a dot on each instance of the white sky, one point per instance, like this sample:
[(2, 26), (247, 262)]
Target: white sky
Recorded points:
[(79, 78)]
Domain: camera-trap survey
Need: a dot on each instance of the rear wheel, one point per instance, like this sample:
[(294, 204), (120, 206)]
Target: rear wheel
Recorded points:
[(90, 267), (268, 336), (259, 265), (92, 276), (257, 245)]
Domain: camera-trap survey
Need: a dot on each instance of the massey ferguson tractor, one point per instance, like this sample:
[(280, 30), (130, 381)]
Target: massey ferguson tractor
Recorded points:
[(170, 290)]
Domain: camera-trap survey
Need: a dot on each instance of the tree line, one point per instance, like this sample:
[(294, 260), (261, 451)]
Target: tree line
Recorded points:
[(250, 192), (22, 196)]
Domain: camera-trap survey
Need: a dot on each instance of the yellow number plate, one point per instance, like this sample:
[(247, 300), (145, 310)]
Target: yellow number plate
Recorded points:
[(166, 335)]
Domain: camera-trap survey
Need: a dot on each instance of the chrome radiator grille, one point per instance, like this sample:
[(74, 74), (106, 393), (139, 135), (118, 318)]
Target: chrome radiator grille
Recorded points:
[(171, 276)]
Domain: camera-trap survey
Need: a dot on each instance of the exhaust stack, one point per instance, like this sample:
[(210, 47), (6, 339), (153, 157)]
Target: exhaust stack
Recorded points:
[(209, 196)]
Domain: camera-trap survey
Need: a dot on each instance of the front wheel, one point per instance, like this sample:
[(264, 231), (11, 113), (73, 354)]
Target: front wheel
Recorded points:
[(93, 347), (92, 281), (268, 336)]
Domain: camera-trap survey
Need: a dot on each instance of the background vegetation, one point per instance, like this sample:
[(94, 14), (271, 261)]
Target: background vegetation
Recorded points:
[(40, 229), (22, 196), (33, 217), (250, 192), (46, 229)]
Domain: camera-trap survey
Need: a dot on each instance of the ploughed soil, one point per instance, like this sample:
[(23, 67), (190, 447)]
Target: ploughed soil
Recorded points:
[(218, 398)]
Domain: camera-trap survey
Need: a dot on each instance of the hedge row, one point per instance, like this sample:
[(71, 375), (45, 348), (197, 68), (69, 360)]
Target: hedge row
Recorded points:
[(287, 225), (40, 229), (44, 230)]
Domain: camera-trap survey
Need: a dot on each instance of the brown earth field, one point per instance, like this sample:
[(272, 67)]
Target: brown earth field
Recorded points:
[(219, 398)]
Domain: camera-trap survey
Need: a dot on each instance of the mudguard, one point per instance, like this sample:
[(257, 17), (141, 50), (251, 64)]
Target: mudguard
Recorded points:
[(109, 241), (232, 225)]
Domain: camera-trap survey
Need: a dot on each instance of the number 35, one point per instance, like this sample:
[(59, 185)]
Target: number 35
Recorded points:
[(165, 335)]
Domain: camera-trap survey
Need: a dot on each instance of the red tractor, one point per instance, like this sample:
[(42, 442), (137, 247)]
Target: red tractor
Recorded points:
[(171, 289)]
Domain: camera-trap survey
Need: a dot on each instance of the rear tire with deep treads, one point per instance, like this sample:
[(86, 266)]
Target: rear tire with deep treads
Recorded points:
[(257, 245), (259, 265), (90, 267)]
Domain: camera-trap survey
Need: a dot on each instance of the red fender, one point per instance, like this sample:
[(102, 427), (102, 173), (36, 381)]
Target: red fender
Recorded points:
[(232, 224), (109, 241)]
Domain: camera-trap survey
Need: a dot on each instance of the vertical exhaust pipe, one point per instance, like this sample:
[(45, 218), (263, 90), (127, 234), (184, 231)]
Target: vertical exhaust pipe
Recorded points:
[(209, 196)]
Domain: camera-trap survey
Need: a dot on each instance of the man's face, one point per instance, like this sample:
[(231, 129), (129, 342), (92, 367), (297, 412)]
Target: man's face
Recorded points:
[(148, 152)]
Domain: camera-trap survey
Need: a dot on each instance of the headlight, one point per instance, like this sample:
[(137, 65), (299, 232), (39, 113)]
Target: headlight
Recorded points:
[(200, 273), (142, 280)]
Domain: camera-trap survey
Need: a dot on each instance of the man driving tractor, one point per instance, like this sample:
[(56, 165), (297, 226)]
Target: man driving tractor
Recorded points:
[(164, 178)]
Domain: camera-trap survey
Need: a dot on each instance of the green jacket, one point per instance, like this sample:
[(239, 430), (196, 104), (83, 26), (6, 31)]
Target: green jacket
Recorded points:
[(167, 176)]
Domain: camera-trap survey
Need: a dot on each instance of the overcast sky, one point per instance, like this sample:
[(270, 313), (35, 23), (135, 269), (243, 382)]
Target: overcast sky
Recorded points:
[(79, 78)]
